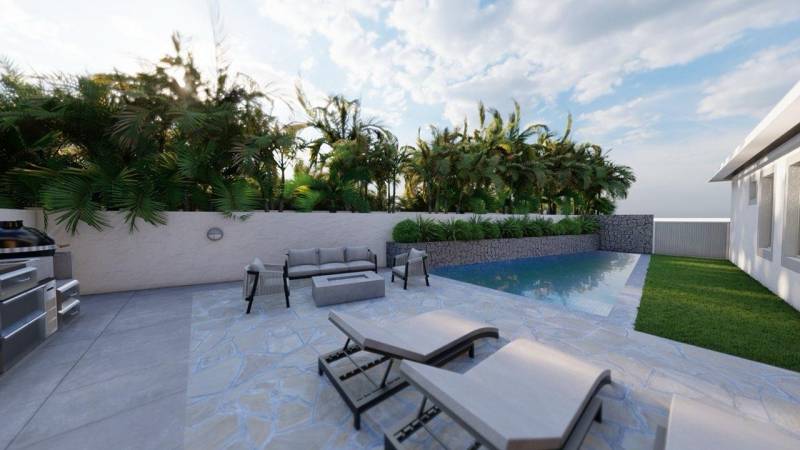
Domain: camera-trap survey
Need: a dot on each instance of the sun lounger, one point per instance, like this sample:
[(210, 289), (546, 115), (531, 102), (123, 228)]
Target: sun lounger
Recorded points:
[(694, 425), (525, 396), (435, 338)]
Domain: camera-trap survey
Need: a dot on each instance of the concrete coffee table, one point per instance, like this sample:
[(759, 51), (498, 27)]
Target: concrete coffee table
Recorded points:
[(346, 287)]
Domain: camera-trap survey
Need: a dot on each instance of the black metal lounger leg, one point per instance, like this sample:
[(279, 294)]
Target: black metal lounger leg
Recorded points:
[(286, 285)]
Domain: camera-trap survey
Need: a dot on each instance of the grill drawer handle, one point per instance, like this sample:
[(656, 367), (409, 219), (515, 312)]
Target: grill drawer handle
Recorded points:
[(10, 335), (19, 297)]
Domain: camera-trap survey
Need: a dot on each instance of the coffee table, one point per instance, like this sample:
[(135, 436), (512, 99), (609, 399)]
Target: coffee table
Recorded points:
[(346, 287)]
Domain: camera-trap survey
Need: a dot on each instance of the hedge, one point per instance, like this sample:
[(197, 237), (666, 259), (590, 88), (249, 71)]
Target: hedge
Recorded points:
[(476, 228)]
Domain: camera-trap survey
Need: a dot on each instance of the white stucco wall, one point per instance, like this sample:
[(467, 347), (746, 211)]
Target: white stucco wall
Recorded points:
[(771, 272), (27, 216), (180, 254)]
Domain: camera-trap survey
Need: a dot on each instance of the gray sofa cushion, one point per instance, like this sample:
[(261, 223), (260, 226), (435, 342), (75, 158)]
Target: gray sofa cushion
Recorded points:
[(357, 254), (331, 255), (359, 266), (336, 267), (308, 256), (304, 270)]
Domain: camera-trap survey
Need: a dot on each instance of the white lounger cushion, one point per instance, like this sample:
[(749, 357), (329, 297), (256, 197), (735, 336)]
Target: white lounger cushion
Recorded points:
[(419, 338), (525, 396), (696, 426)]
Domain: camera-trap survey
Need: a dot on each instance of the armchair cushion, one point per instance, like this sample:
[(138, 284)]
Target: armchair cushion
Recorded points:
[(415, 255), (308, 256), (256, 266), (357, 254), (331, 255)]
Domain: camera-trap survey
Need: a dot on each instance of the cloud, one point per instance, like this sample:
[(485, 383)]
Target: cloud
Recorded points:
[(454, 52), (754, 87), (634, 119)]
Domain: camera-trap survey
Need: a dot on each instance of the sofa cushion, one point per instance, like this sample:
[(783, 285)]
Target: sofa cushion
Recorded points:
[(358, 266), (336, 267), (357, 254), (304, 270), (308, 256), (256, 266), (331, 255)]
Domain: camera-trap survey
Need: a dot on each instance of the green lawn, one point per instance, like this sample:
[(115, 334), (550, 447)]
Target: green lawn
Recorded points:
[(713, 304)]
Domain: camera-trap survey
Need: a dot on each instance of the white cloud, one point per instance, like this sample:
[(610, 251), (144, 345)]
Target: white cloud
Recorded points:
[(754, 86), (629, 122), (455, 52)]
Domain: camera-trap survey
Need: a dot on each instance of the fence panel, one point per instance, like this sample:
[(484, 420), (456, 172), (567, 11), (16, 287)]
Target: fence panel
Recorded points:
[(702, 238)]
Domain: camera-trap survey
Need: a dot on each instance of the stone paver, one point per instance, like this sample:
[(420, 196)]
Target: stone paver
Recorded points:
[(277, 387)]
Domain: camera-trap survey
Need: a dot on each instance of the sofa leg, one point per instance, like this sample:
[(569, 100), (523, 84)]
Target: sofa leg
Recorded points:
[(392, 277)]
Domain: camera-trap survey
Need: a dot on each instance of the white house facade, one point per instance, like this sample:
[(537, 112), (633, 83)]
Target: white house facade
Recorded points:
[(764, 172)]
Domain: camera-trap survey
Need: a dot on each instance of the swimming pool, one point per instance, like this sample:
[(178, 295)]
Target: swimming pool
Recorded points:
[(589, 282)]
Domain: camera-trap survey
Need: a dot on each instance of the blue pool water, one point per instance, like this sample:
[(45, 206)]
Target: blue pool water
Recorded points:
[(588, 282)]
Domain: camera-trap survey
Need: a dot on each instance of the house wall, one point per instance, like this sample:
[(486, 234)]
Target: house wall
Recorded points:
[(778, 267), (27, 216)]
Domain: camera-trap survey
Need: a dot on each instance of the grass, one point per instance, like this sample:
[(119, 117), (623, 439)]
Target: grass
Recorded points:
[(715, 305)]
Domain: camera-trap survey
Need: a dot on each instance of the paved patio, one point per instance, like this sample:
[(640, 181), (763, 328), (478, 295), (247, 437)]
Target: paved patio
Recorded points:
[(185, 368)]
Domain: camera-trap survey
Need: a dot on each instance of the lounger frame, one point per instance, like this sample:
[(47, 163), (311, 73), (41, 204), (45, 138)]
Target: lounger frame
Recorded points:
[(360, 402), (593, 411)]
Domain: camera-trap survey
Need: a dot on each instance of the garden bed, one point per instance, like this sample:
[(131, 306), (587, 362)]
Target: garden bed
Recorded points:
[(453, 253)]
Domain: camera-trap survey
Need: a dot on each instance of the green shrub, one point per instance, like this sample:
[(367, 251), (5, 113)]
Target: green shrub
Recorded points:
[(476, 225), (448, 230), (589, 225), (491, 230), (429, 230), (570, 226), (406, 231), (511, 228), (462, 230), (532, 227), (544, 226)]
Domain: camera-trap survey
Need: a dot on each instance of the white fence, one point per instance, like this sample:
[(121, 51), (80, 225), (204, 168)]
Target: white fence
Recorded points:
[(702, 238)]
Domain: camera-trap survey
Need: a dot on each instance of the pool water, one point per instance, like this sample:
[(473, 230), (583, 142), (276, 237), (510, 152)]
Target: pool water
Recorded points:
[(589, 282)]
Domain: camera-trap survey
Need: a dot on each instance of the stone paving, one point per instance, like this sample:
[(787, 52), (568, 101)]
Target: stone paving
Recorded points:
[(253, 379)]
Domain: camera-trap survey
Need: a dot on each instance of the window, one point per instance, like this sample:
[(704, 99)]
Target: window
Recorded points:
[(753, 192), (791, 227), (765, 195)]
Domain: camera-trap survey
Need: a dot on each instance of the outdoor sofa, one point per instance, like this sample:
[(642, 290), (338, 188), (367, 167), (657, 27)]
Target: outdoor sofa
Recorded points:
[(310, 262), (526, 395), (265, 279), (434, 337)]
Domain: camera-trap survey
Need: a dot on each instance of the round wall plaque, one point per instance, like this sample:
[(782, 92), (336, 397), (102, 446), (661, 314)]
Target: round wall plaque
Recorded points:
[(214, 234)]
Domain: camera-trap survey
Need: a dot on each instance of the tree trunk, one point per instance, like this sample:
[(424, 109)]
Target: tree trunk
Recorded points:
[(283, 186)]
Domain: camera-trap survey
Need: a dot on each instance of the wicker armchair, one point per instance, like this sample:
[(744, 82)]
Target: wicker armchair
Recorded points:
[(410, 264), (264, 280)]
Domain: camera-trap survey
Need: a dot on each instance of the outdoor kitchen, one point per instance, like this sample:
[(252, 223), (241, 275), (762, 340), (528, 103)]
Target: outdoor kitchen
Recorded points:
[(37, 290)]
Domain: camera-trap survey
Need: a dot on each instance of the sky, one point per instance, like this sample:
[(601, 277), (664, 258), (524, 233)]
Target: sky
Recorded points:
[(669, 88)]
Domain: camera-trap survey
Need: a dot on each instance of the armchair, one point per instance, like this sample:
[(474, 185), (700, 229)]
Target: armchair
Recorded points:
[(409, 264)]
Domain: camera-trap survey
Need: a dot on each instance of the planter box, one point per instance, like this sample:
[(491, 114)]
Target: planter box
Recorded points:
[(454, 253)]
